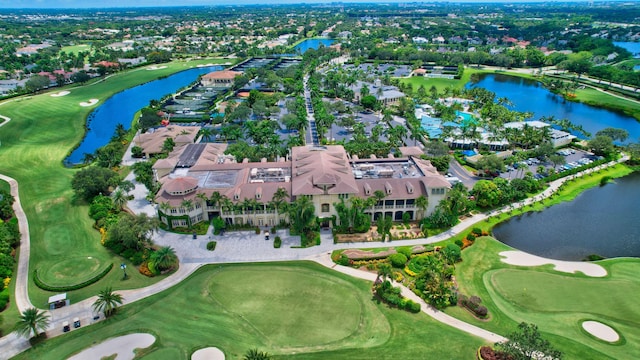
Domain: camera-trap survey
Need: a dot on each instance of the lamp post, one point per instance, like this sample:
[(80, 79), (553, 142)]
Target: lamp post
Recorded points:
[(123, 266)]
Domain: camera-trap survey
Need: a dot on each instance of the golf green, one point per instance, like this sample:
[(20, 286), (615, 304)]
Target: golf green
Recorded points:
[(294, 309), (557, 302)]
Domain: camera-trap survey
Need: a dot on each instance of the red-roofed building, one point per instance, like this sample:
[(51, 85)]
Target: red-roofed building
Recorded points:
[(223, 78)]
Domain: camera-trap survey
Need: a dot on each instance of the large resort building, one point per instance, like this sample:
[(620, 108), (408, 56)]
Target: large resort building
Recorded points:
[(199, 182)]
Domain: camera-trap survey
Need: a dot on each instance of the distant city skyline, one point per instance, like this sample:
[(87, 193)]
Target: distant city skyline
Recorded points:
[(86, 4)]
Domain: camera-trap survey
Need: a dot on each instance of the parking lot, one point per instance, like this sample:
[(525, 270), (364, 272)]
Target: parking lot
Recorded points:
[(573, 158)]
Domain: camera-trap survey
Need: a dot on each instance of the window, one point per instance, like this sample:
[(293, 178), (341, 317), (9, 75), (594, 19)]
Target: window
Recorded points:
[(199, 217), (198, 205), (325, 208), (174, 210), (343, 196), (437, 191)]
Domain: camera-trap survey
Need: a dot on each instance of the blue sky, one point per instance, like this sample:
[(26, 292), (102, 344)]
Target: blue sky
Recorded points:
[(50, 4)]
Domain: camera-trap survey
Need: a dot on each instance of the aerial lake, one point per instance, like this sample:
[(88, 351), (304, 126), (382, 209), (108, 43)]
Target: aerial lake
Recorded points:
[(312, 44), (603, 221), (632, 47), (529, 95), (121, 107)]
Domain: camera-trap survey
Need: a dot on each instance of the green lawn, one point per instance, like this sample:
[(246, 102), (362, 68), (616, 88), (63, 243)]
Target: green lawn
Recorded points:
[(598, 98), (291, 310), (43, 130), (557, 302), (74, 49), (440, 84)]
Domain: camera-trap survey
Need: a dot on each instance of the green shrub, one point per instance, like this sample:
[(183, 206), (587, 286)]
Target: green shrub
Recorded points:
[(39, 283), (476, 231), (4, 299), (344, 260), (211, 245), (605, 180), (257, 230), (405, 250), (459, 242), (471, 237), (398, 260), (412, 306), (277, 242)]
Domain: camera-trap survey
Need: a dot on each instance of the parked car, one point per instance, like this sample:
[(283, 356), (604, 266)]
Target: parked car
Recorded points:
[(66, 327), (76, 323)]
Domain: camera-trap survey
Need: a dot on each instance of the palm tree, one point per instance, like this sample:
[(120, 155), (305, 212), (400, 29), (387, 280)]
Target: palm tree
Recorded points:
[(254, 354), (164, 206), (107, 302), (164, 258), (302, 214), (384, 271), (206, 133), (422, 203), (119, 198), (278, 201), (31, 322), (216, 199), (202, 197)]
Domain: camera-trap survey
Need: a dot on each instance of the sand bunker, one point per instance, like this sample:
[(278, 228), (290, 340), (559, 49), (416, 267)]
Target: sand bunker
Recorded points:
[(154, 67), (122, 346), (210, 353), (61, 93), (601, 331), (89, 103), (523, 259), (206, 65)]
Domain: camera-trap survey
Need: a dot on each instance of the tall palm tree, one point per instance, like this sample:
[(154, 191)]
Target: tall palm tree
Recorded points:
[(119, 198), (107, 302), (422, 203), (278, 201), (31, 322), (164, 258), (202, 197)]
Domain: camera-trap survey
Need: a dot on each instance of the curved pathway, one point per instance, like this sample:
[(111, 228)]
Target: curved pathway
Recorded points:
[(12, 344)]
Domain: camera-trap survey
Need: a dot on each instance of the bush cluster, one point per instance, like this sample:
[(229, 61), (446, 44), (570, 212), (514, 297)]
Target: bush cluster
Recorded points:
[(9, 237), (473, 305), (211, 245), (277, 242), (391, 296), (398, 260), (39, 283)]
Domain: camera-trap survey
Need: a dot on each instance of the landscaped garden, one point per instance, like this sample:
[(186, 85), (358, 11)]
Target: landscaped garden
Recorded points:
[(42, 131), (300, 309)]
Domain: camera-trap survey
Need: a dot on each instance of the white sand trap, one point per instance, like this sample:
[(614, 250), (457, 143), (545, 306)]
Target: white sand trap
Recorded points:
[(210, 353), (601, 331), (523, 259), (206, 65), (154, 67), (123, 346), (89, 103), (61, 93)]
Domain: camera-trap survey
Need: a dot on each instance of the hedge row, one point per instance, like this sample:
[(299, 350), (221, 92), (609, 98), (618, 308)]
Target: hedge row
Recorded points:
[(43, 286)]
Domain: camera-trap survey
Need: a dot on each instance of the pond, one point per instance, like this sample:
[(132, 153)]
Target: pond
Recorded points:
[(632, 47), (121, 107), (312, 44), (603, 221), (529, 95)]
